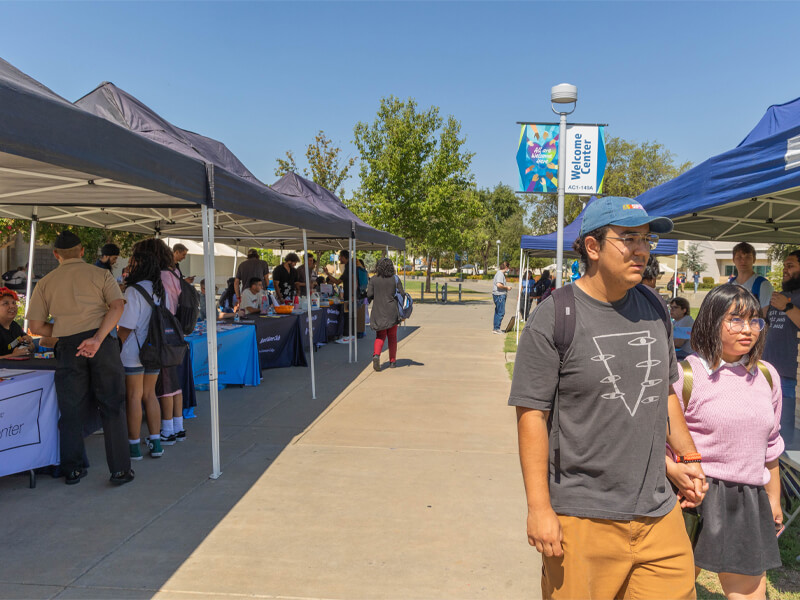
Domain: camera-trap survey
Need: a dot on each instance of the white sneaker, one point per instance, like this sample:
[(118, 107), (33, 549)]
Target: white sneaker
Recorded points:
[(497, 331), (344, 340)]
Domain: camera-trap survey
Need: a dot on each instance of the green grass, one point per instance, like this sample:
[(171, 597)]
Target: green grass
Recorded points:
[(510, 369), (511, 342)]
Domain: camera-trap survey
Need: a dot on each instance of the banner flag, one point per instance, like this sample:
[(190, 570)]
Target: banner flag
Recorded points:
[(537, 158)]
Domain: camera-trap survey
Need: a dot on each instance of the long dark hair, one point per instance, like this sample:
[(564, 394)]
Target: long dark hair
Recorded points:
[(229, 293), (706, 338), (144, 267), (385, 267), (158, 248)]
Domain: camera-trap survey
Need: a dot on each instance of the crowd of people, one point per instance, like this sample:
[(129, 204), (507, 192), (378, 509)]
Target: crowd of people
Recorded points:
[(653, 415), (101, 329)]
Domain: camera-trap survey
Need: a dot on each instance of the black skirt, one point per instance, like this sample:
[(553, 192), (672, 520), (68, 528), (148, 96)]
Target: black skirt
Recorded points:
[(738, 532)]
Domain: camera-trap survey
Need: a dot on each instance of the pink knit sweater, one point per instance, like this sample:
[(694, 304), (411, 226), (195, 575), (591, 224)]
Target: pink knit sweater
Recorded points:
[(734, 419)]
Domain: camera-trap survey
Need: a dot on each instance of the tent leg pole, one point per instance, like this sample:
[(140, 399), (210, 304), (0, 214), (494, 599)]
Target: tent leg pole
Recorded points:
[(351, 262), (235, 258), (213, 391), (356, 303), (29, 284), (519, 293), (675, 278), (310, 320), (523, 268)]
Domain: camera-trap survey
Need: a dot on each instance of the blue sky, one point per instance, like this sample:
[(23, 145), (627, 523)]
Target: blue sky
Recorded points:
[(263, 77)]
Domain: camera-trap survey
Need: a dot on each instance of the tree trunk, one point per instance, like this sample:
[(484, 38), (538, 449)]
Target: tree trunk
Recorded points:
[(428, 275)]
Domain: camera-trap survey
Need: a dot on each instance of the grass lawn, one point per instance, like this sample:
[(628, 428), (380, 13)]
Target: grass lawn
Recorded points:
[(511, 342), (510, 369)]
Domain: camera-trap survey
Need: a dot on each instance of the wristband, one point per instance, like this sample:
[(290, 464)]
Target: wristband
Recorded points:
[(692, 457)]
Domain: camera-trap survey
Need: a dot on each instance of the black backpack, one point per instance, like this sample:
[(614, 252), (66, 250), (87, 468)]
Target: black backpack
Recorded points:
[(164, 345), (188, 308)]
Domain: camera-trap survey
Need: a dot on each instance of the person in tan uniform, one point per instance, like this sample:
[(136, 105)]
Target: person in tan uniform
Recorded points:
[(85, 303)]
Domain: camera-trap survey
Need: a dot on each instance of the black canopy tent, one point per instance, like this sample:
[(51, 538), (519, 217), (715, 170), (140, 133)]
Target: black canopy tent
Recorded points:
[(61, 164)]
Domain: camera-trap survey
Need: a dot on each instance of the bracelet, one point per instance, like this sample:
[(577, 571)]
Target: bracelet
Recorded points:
[(692, 457)]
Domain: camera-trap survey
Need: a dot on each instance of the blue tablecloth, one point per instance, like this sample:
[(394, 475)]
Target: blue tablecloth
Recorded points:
[(237, 356)]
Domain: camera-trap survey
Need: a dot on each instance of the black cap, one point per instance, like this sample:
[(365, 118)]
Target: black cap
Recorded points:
[(66, 240), (110, 250)]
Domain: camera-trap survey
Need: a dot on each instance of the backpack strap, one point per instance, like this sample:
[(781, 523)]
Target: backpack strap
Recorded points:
[(144, 294), (765, 372), (688, 380), (757, 288), (564, 329), (656, 301)]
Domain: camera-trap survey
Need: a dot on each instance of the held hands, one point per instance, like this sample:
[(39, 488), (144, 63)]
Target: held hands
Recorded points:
[(690, 481), (544, 532), (88, 347)]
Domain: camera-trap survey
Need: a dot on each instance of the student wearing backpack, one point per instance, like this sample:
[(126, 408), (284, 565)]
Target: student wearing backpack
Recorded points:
[(384, 317), (733, 410), (168, 386), (592, 418), (744, 255), (140, 383)]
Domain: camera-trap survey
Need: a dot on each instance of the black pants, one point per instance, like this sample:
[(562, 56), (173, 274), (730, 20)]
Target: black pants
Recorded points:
[(81, 382)]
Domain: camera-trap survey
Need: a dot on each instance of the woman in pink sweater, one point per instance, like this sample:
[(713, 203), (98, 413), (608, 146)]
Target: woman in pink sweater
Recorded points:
[(733, 413)]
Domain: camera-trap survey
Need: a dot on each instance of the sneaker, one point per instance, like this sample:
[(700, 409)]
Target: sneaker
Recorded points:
[(136, 453), (181, 436), (376, 362), (392, 365), (155, 448), (497, 331), (75, 476), (168, 440), (344, 340), (121, 477)]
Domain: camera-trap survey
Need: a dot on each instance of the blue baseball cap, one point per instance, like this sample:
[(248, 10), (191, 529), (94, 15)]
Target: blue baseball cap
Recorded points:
[(615, 210)]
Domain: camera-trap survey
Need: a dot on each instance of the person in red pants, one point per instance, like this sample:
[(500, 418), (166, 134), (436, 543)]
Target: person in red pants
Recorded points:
[(385, 316)]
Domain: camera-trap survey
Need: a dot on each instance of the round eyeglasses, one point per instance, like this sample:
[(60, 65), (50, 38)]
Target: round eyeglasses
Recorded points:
[(736, 325)]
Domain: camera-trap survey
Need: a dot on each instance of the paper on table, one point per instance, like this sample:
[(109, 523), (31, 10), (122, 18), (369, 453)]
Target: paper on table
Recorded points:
[(5, 373)]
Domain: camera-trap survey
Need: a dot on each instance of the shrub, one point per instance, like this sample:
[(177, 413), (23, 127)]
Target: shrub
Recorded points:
[(709, 281)]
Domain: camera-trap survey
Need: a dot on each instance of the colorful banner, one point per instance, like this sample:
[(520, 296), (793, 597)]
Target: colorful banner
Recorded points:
[(537, 159)]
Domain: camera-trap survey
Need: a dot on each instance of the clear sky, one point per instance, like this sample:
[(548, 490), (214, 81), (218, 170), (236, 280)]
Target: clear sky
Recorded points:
[(263, 77)]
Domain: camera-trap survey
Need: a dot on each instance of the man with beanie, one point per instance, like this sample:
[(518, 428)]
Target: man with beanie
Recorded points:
[(85, 304), (109, 254)]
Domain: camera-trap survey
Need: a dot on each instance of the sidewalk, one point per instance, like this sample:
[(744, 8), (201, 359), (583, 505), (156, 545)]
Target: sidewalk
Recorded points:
[(399, 484)]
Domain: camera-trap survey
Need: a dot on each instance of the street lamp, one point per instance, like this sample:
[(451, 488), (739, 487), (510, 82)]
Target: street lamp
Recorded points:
[(562, 94), (498, 255)]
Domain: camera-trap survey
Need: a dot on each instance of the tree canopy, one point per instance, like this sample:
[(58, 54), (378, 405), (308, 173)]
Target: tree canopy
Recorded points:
[(326, 165)]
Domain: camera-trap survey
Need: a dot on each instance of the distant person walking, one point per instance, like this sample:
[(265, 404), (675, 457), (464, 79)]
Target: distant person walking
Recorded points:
[(696, 279), (385, 316), (499, 294)]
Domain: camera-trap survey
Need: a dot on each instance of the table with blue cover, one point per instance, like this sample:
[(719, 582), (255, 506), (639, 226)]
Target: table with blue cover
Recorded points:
[(237, 355)]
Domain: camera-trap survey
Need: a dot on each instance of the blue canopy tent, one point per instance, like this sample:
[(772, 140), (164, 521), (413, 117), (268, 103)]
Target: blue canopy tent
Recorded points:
[(751, 192)]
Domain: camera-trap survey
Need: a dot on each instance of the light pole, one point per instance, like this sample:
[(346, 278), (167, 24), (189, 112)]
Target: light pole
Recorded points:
[(498, 255), (562, 94)]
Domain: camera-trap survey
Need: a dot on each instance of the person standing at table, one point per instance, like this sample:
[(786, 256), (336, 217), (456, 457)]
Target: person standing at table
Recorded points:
[(168, 386), (140, 383), (109, 254), (85, 303), (179, 252), (344, 281), (300, 285), (13, 341), (284, 276), (254, 266), (251, 297), (384, 317)]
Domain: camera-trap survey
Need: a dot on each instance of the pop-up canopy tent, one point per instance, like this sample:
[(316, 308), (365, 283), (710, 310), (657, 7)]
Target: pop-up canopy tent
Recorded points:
[(62, 164), (751, 192)]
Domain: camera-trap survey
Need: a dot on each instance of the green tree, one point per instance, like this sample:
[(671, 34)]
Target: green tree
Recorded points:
[(415, 177), (327, 166), (502, 217), (692, 260)]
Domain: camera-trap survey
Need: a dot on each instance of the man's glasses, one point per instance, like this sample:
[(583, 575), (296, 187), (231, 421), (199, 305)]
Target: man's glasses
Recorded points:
[(735, 325), (632, 240)]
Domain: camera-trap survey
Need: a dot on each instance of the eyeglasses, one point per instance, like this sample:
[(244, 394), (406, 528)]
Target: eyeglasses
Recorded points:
[(735, 325), (632, 240)]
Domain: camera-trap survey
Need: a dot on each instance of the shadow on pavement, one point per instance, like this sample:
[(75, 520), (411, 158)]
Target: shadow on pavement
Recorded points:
[(94, 540)]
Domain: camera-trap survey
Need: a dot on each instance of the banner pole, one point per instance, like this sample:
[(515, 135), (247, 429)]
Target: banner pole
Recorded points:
[(310, 320)]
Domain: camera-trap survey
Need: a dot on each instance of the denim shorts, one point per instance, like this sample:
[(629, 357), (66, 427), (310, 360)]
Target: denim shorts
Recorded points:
[(140, 370)]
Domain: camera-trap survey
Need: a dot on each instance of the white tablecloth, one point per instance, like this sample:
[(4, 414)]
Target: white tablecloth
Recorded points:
[(28, 422)]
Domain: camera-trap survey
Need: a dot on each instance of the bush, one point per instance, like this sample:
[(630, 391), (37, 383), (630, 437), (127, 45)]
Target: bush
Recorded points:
[(709, 281)]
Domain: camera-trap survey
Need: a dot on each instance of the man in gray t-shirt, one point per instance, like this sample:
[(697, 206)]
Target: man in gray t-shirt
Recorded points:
[(499, 293), (600, 508)]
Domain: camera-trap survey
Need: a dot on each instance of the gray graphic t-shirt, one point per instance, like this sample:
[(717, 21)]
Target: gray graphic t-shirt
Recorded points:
[(781, 346), (612, 405)]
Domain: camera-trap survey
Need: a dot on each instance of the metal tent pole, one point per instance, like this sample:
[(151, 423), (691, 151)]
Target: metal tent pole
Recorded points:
[(356, 303), (519, 292), (235, 258), (211, 332), (29, 284), (310, 320), (350, 261), (675, 278)]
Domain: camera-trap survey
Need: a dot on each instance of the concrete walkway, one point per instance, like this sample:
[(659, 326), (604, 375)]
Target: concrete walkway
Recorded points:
[(399, 484)]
